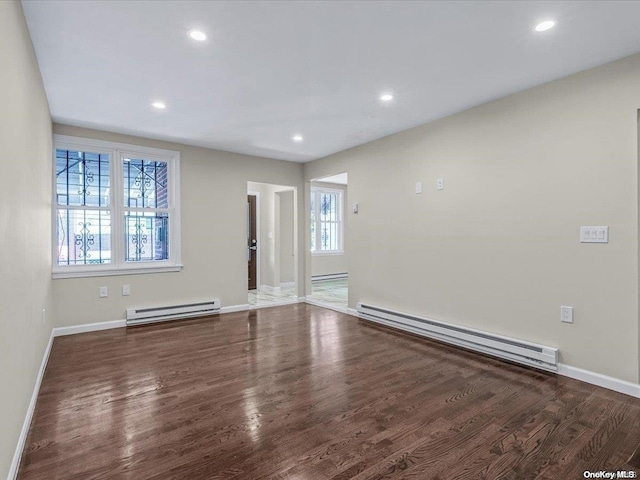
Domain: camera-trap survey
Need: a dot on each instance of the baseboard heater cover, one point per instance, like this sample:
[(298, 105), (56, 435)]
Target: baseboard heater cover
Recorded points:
[(329, 276), (159, 314), (531, 354)]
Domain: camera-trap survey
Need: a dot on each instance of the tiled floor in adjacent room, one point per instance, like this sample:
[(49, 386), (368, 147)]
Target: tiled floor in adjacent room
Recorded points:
[(333, 293)]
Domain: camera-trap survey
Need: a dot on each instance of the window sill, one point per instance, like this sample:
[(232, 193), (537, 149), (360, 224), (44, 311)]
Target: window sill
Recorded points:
[(324, 254), (112, 272)]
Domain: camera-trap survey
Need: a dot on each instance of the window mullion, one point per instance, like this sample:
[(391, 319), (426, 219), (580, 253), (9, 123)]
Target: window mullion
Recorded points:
[(117, 205)]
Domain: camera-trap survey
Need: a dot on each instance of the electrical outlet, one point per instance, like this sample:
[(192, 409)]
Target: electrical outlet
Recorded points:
[(103, 292), (126, 290), (566, 314), (594, 234), (440, 184)]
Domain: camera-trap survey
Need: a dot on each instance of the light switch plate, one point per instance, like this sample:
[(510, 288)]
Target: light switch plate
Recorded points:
[(594, 234), (103, 292), (418, 187)]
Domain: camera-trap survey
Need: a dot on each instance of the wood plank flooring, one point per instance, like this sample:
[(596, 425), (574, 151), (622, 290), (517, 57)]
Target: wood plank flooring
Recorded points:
[(302, 392)]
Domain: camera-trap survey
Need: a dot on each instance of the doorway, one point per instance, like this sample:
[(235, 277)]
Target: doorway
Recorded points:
[(329, 255), (252, 240), (272, 257)]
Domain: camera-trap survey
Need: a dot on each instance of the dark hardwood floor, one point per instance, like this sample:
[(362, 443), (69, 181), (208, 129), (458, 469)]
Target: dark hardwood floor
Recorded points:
[(302, 392)]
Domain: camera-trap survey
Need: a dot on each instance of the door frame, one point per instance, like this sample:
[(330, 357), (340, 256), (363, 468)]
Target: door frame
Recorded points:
[(257, 195), (308, 271)]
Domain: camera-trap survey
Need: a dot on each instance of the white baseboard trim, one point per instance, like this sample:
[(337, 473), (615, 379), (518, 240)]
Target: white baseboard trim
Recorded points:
[(235, 308), (311, 301), (287, 284), (17, 455), (88, 327), (353, 312), (270, 289), (600, 380)]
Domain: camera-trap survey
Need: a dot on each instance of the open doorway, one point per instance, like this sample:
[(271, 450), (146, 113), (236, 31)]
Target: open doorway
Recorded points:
[(329, 256), (271, 244)]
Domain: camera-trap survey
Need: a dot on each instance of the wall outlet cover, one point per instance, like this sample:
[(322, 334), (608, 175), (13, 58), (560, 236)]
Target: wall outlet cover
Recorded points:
[(566, 314)]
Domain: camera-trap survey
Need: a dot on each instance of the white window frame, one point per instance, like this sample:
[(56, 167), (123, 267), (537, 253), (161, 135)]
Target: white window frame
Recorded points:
[(316, 191), (117, 152)]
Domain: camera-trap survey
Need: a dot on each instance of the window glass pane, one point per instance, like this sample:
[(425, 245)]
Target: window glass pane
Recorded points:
[(145, 184), (325, 221), (313, 221), (328, 203), (83, 236), (147, 236), (82, 178)]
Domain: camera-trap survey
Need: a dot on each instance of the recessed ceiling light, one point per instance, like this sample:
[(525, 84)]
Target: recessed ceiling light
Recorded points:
[(544, 26), (198, 35), (159, 105), (297, 138), (387, 97)]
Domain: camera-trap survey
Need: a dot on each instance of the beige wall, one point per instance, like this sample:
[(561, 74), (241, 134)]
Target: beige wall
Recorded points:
[(25, 225), (287, 237), (213, 205), (329, 264), (498, 248)]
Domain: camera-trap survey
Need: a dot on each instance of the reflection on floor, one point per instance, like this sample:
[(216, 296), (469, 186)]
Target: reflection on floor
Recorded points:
[(331, 292), (261, 298)]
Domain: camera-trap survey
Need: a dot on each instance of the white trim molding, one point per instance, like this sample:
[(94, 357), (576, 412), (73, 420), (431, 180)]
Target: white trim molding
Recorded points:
[(88, 327), (600, 380), (17, 455), (353, 312), (312, 301), (235, 308), (287, 284)]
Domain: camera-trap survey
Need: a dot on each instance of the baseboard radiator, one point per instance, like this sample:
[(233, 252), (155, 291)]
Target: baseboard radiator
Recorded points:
[(526, 353), (329, 276), (159, 314)]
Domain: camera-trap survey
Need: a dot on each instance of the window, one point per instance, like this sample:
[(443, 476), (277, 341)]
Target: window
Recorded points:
[(115, 208), (326, 221)]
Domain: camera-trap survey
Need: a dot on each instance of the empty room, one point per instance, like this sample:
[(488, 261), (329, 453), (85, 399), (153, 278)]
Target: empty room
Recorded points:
[(277, 239)]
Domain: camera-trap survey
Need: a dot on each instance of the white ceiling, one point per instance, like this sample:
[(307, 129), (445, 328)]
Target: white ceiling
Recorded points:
[(272, 69)]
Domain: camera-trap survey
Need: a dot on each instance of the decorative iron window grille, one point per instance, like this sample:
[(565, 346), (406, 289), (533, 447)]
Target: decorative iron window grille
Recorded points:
[(91, 220), (83, 226), (326, 221), (146, 228)]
